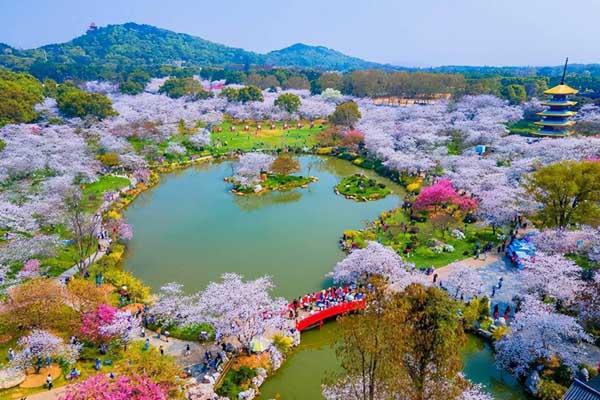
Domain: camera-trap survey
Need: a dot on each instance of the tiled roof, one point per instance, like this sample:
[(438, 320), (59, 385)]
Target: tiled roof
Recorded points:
[(581, 391)]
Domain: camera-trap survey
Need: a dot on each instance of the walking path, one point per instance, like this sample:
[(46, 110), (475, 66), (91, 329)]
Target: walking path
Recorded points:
[(174, 347), (75, 268)]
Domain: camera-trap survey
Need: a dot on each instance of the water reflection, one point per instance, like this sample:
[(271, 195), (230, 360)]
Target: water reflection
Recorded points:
[(254, 202)]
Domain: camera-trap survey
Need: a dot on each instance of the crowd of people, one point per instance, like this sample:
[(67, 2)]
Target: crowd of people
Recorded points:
[(326, 298)]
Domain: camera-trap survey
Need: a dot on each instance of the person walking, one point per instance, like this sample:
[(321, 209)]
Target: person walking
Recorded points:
[(162, 350), (147, 344), (49, 382), (188, 351)]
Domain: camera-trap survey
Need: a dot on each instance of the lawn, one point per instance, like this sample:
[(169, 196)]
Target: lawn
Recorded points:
[(361, 188), (94, 192), (265, 139), (395, 230), (523, 127)]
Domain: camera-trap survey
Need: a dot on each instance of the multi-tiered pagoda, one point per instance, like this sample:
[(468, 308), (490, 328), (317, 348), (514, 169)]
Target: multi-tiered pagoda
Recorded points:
[(556, 119)]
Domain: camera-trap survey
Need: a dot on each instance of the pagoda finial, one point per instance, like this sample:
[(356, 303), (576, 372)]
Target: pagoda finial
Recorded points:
[(562, 80)]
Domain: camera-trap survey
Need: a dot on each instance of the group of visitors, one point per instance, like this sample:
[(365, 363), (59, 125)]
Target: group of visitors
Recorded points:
[(326, 298)]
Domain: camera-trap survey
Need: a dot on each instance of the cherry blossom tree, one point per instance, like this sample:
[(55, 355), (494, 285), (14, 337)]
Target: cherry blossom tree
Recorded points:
[(107, 323), (441, 195), (464, 281), (250, 165), (101, 387), (552, 276), (173, 306), (537, 333), (40, 345), (31, 269), (239, 309), (374, 259)]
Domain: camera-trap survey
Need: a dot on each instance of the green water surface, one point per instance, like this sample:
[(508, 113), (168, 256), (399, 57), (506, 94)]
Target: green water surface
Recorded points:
[(191, 229)]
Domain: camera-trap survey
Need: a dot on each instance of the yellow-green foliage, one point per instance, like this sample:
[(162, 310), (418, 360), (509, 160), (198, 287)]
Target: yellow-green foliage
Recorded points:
[(550, 390), (283, 343), (325, 150), (500, 332), (137, 290)]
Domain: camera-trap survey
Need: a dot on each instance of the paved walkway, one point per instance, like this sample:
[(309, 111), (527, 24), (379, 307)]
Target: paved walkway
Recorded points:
[(490, 270), (174, 347)]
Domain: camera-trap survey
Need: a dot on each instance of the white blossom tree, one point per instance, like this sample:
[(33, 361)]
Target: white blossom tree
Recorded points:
[(241, 310), (537, 333)]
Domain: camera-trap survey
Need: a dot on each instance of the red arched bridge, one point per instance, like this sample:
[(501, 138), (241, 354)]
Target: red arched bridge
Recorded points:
[(312, 310)]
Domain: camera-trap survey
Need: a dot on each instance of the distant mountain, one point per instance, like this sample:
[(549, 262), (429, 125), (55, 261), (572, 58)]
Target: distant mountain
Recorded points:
[(129, 45), (318, 57)]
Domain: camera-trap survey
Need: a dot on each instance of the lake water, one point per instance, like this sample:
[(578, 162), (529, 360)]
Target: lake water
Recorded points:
[(191, 229)]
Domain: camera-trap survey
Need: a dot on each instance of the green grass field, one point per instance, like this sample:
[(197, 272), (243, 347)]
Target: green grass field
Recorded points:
[(94, 192), (422, 255), (523, 127), (265, 139)]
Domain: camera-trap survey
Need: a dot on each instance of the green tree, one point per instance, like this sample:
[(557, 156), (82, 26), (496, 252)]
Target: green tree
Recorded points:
[(19, 92), (288, 102), (405, 343), (250, 93), (330, 80), (74, 102), (179, 87), (345, 114), (297, 82), (515, 94), (568, 191)]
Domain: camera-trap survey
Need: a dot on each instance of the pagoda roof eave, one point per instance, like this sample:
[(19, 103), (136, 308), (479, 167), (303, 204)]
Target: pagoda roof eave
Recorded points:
[(555, 124), (550, 103), (561, 90)]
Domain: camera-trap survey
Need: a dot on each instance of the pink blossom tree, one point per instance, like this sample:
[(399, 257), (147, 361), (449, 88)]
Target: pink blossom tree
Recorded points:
[(443, 195), (106, 324), (101, 387)]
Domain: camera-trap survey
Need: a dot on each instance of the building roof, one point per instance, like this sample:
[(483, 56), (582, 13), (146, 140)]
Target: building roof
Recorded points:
[(557, 113), (561, 89), (582, 391), (546, 122), (562, 103)]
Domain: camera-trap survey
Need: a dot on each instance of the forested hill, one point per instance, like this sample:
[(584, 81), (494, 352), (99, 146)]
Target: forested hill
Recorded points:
[(121, 47), (318, 57)]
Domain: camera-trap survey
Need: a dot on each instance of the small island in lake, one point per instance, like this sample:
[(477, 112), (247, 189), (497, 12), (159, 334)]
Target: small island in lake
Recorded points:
[(258, 173), (361, 188)]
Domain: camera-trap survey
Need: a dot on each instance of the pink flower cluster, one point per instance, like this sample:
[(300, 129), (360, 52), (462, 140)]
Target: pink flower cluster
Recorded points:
[(101, 387), (441, 194)]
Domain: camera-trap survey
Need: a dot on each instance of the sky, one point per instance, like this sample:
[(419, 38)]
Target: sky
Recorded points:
[(402, 32)]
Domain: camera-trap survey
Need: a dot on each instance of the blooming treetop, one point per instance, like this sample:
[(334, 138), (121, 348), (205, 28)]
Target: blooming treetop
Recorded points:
[(40, 344), (250, 166), (173, 306), (107, 323), (465, 281), (442, 193), (552, 275), (241, 309), (101, 387), (538, 333), (377, 259)]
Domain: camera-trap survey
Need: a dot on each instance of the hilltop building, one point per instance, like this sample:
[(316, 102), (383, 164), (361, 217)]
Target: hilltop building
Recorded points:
[(556, 119)]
